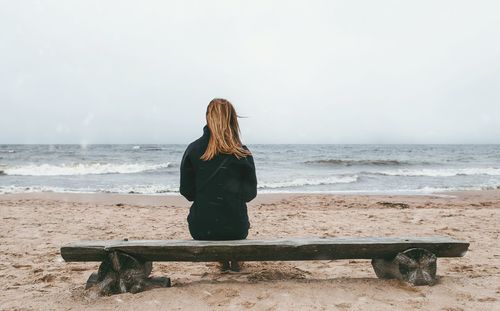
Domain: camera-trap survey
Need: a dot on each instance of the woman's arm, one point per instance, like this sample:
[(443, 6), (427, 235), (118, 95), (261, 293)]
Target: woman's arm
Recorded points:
[(249, 184), (187, 188)]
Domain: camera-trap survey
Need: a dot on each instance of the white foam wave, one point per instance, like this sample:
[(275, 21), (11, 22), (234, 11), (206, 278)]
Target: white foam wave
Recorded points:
[(173, 190), (20, 189), (442, 172), (124, 189), (420, 191), (143, 189), (309, 182), (81, 169)]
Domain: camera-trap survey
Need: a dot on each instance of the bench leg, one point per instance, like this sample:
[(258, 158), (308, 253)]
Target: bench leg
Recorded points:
[(416, 266), (122, 273)]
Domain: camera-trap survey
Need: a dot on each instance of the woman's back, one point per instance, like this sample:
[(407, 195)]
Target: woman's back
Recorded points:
[(220, 188)]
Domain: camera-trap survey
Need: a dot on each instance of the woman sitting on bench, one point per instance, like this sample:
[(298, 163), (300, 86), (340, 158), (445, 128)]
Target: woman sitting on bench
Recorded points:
[(218, 174)]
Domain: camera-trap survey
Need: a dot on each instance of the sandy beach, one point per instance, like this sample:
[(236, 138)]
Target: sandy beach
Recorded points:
[(35, 277)]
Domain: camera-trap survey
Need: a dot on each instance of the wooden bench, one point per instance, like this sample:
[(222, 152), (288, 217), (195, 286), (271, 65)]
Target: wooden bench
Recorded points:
[(126, 265)]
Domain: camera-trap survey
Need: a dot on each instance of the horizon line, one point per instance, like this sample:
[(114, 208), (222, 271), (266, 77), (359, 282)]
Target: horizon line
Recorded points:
[(139, 144)]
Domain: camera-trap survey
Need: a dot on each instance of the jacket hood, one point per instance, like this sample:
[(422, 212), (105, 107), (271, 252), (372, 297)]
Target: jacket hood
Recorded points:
[(206, 131)]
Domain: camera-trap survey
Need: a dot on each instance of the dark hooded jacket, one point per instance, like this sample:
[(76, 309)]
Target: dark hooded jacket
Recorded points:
[(219, 210)]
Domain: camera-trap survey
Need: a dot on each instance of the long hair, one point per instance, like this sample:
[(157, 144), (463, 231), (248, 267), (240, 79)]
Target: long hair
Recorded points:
[(222, 122)]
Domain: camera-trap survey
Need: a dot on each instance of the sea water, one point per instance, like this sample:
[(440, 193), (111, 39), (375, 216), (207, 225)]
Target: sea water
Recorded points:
[(154, 169)]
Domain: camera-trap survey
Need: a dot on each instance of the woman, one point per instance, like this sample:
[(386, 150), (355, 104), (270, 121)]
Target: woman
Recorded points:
[(218, 174)]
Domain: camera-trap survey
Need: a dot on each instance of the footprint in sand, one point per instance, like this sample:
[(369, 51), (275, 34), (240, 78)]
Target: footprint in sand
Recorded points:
[(248, 304), (343, 306), (47, 278), (19, 266), (487, 299), (221, 296)]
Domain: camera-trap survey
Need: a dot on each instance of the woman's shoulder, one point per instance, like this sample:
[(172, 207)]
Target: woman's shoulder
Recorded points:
[(245, 160), (197, 145), (245, 147)]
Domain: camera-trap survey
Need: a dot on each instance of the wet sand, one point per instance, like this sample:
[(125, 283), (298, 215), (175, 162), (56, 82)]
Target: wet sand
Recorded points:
[(34, 276)]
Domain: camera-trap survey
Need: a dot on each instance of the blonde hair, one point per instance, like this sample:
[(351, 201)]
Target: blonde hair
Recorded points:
[(222, 122)]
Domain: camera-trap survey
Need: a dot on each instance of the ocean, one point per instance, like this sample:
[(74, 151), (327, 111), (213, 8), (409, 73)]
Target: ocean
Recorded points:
[(344, 169)]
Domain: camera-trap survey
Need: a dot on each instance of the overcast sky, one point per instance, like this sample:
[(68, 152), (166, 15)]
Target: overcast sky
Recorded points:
[(95, 71)]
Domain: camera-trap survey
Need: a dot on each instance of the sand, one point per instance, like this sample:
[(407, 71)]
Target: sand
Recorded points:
[(34, 277)]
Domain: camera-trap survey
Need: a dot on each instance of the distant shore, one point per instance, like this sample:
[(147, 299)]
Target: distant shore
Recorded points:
[(35, 225)]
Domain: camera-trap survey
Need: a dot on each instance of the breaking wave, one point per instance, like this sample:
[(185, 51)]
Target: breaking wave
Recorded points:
[(124, 189), (81, 169), (440, 172), (309, 182), (358, 162), (142, 189)]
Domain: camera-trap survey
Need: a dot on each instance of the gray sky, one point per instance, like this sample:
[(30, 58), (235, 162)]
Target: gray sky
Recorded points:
[(95, 71)]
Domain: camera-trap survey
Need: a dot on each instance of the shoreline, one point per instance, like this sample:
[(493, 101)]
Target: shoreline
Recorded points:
[(262, 198)]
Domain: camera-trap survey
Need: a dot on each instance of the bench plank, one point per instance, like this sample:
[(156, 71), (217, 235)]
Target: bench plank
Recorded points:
[(264, 250)]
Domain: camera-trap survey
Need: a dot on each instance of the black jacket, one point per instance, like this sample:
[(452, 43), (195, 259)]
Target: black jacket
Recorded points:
[(219, 210)]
